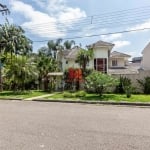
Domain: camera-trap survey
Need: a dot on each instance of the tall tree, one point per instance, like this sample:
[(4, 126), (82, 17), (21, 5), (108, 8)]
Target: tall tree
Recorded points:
[(20, 71), (4, 9), (68, 44), (84, 57), (54, 47), (45, 64), (13, 41)]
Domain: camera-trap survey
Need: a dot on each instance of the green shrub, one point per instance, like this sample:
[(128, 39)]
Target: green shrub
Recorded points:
[(80, 94), (124, 83), (145, 84), (98, 82), (68, 95)]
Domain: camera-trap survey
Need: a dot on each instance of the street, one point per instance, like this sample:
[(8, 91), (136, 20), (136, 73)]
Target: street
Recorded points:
[(27, 125)]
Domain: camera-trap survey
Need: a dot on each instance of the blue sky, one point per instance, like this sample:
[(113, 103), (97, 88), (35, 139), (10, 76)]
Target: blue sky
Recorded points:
[(51, 19)]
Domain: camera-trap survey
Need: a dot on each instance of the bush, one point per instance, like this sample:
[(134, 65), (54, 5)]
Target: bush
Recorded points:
[(68, 95), (124, 83), (145, 84), (98, 82), (80, 94)]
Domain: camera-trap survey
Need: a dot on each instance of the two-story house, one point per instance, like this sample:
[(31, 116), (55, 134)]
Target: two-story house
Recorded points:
[(103, 59)]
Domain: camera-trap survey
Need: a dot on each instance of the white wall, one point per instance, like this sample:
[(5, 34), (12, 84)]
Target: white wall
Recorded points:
[(145, 64), (101, 52), (120, 62), (70, 64)]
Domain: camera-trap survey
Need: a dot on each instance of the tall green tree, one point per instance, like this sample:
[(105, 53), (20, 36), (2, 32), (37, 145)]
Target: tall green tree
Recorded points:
[(68, 44), (45, 64), (20, 71), (84, 57), (12, 41), (54, 47), (4, 9)]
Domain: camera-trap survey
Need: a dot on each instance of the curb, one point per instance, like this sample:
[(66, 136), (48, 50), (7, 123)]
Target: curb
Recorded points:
[(84, 102), (95, 102), (11, 99)]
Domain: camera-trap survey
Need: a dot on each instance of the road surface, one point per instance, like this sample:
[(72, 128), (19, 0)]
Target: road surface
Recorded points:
[(61, 126)]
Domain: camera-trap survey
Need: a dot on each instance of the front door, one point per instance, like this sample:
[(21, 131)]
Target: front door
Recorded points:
[(100, 64)]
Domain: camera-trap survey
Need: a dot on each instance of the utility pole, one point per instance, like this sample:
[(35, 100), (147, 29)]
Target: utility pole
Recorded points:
[(4, 10)]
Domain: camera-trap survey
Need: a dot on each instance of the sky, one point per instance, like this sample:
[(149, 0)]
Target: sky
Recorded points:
[(45, 20)]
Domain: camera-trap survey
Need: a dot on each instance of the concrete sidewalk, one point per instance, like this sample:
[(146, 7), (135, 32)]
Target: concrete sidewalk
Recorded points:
[(38, 97)]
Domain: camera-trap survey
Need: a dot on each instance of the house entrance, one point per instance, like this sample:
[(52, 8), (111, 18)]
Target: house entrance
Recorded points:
[(100, 64)]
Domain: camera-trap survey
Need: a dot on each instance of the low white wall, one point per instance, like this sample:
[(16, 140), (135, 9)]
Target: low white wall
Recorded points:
[(141, 75)]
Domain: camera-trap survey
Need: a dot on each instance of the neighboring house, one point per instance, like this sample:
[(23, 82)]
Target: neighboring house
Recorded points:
[(136, 60), (145, 64), (118, 60), (119, 64)]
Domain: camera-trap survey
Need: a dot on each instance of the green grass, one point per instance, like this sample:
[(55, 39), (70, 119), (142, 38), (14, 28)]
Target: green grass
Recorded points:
[(105, 97), (20, 95)]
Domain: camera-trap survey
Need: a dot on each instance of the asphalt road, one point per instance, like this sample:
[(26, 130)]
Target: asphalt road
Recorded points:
[(60, 126)]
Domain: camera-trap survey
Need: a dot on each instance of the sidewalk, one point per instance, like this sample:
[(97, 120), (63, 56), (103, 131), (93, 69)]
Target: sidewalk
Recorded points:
[(38, 97)]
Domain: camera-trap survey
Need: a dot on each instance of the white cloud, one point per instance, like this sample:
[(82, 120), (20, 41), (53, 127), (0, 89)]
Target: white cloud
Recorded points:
[(65, 14), (71, 15), (111, 37), (90, 30), (48, 24), (39, 3), (36, 17), (120, 44), (141, 26)]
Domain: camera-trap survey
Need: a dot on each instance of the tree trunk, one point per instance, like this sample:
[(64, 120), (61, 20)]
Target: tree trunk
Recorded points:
[(46, 82)]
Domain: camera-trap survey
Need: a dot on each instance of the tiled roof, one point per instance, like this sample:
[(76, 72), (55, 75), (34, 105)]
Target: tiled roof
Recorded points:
[(71, 54), (131, 69), (118, 54), (100, 43)]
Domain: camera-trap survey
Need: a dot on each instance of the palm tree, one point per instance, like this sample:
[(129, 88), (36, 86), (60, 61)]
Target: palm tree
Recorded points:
[(13, 41), (54, 46), (45, 64), (84, 57), (4, 9), (68, 44), (21, 71)]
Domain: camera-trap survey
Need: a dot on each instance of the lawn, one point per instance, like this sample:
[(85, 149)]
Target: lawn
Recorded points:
[(105, 97), (20, 95)]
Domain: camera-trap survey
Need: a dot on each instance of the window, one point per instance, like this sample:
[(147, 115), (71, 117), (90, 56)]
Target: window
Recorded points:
[(114, 63)]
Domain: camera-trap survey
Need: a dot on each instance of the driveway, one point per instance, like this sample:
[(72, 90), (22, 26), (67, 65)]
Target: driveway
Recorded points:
[(59, 126)]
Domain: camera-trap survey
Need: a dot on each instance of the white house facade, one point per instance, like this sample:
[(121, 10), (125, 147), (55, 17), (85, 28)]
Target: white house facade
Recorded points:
[(145, 64), (102, 61), (118, 60)]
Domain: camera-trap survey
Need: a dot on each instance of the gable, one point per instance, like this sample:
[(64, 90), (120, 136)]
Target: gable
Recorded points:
[(147, 48)]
